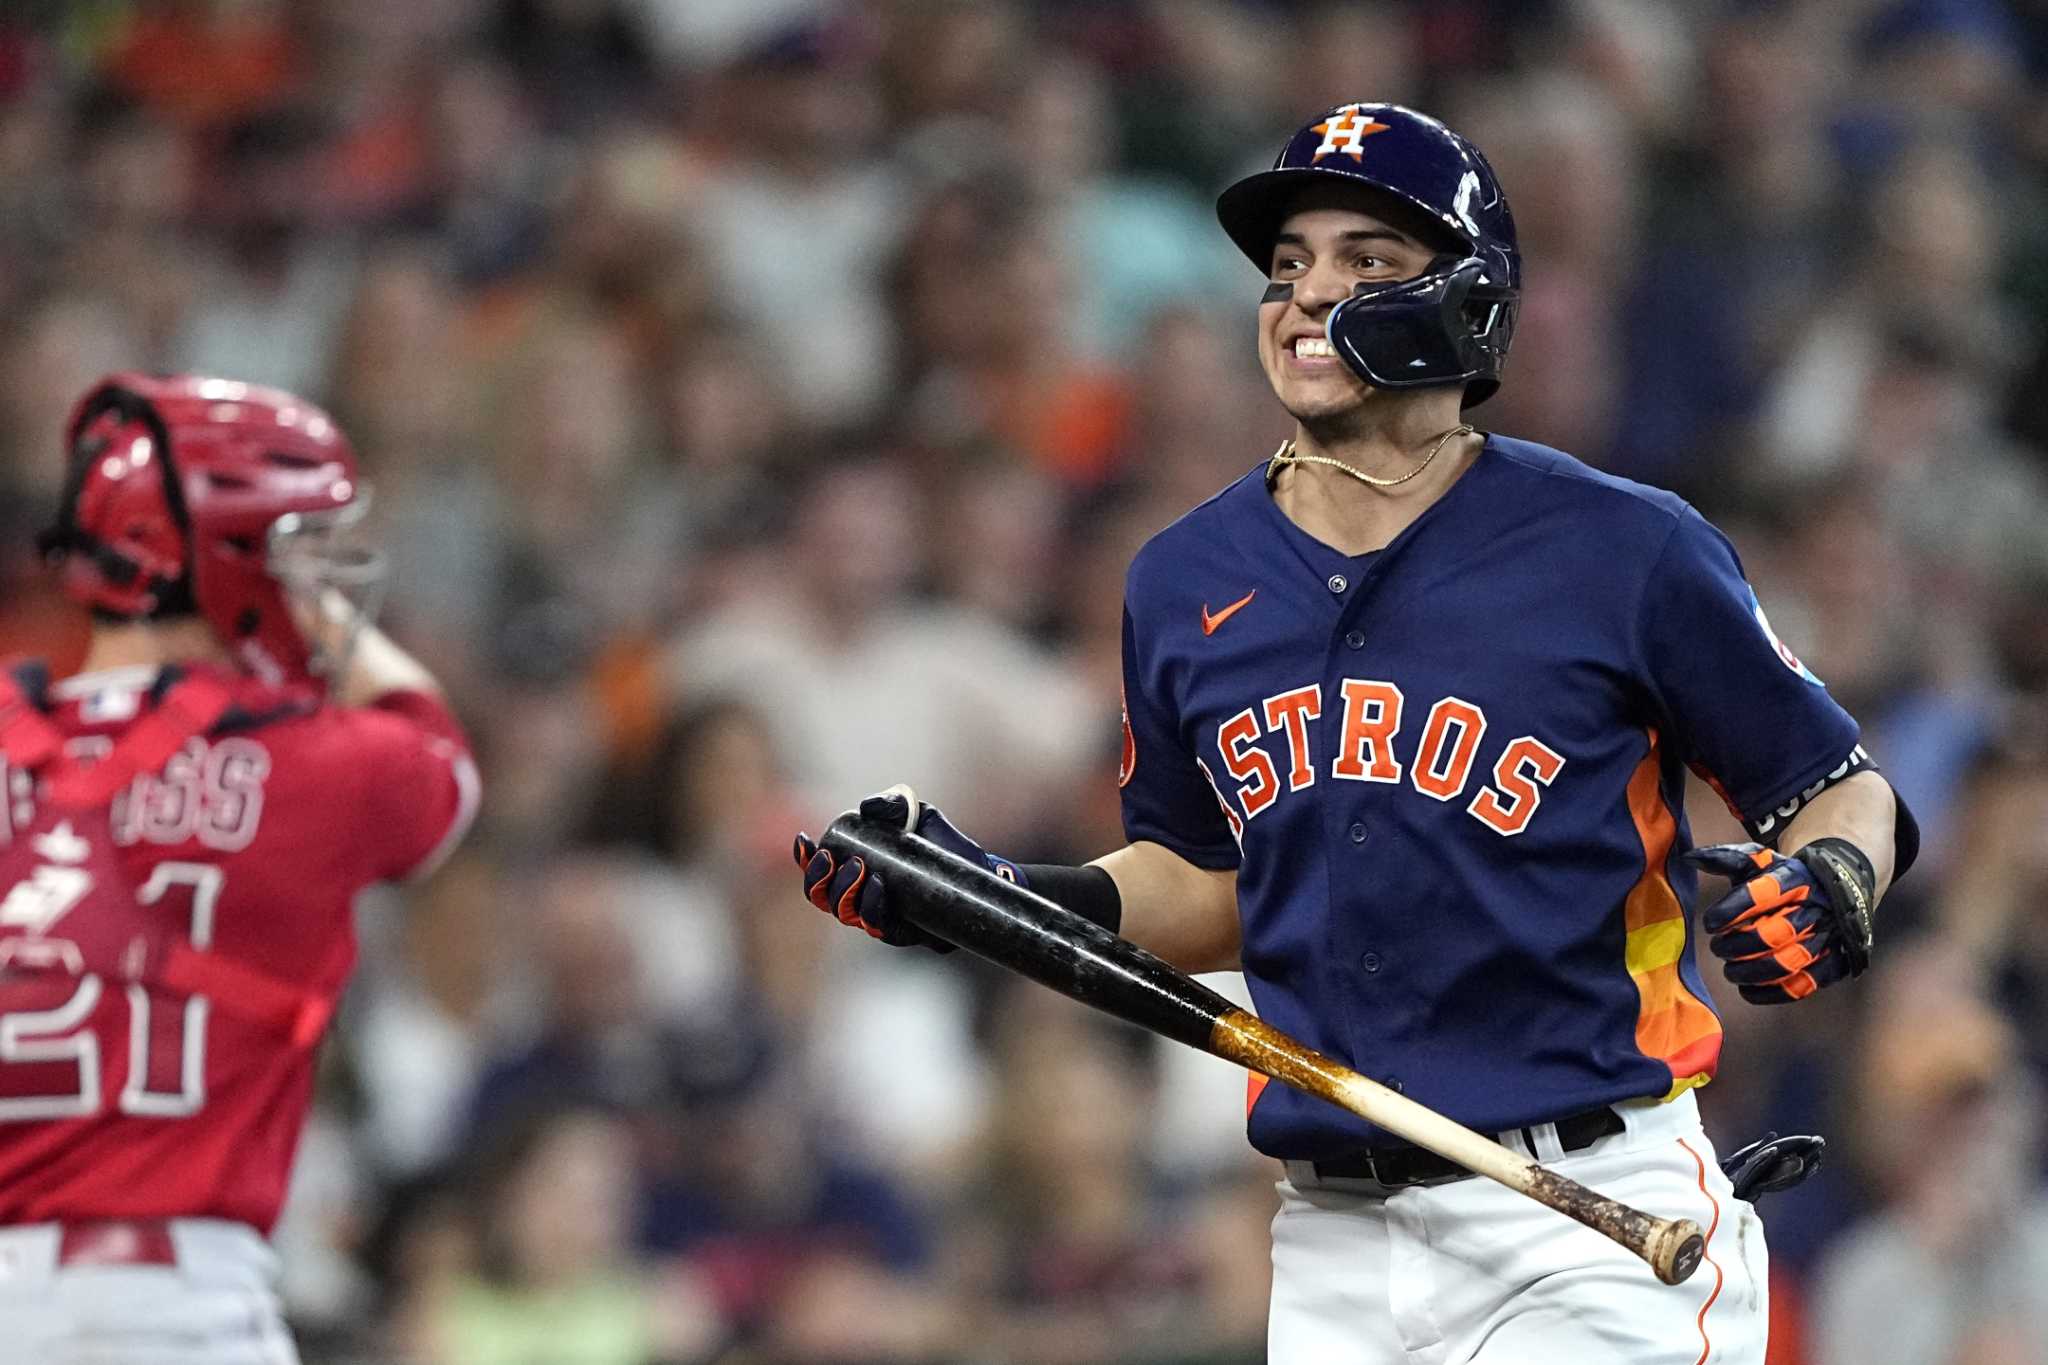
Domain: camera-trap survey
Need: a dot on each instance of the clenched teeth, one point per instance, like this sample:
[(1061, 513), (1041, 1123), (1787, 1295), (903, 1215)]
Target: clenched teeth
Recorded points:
[(1307, 347)]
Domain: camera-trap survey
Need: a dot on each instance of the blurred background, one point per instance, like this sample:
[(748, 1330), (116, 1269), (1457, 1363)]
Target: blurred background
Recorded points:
[(763, 399)]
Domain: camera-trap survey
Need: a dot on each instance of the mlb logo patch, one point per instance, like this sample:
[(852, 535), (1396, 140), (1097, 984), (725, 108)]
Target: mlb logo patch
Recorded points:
[(109, 705)]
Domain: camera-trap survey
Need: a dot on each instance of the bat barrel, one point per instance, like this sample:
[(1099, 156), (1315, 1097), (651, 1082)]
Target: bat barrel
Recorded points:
[(970, 906), (1672, 1247)]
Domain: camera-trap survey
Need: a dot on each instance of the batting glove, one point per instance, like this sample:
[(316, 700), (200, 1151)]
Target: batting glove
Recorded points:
[(1773, 1163), (857, 896), (1790, 925)]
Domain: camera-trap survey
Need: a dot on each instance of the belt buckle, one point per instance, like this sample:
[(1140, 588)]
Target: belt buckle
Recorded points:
[(1420, 1182)]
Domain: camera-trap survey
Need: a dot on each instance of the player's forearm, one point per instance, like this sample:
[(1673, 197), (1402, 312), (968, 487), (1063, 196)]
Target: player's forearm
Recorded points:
[(1861, 810), (1183, 913), (377, 666), (374, 664)]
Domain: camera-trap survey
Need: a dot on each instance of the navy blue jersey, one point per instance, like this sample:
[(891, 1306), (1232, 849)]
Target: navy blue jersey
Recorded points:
[(1450, 777)]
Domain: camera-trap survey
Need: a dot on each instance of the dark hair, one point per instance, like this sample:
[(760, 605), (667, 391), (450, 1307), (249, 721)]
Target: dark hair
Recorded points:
[(499, 1154), (637, 805)]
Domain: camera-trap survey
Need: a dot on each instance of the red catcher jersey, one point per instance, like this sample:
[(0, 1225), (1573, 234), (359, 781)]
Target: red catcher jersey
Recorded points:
[(168, 962)]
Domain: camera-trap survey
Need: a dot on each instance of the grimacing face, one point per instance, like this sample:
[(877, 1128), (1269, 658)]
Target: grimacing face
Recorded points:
[(1328, 245)]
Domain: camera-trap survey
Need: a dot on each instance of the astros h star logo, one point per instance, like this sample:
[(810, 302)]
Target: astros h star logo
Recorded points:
[(1346, 130)]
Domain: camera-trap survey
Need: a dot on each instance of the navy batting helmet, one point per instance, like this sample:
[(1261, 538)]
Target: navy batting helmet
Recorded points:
[(1452, 323)]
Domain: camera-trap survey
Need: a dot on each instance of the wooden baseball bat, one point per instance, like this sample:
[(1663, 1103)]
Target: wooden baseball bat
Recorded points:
[(970, 906)]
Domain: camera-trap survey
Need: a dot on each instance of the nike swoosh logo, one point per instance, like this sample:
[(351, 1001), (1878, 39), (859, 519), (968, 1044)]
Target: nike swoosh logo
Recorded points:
[(1209, 623)]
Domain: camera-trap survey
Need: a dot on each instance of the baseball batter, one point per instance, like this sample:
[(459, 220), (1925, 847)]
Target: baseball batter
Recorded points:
[(186, 823), (1408, 710)]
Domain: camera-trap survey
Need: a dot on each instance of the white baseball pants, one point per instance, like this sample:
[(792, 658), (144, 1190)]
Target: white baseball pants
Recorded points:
[(215, 1306), (1470, 1273)]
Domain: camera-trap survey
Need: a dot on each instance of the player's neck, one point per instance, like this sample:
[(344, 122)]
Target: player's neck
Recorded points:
[(1387, 439), (137, 643)]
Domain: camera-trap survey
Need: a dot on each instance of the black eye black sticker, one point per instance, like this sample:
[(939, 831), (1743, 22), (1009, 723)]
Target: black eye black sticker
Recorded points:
[(1280, 291)]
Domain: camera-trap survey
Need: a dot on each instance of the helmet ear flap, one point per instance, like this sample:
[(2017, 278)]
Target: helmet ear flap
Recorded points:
[(1421, 331), (1459, 277), (61, 536), (135, 589), (134, 407)]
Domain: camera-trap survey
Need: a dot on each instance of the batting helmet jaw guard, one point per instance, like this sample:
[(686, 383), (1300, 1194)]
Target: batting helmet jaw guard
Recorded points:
[(192, 494), (1453, 323)]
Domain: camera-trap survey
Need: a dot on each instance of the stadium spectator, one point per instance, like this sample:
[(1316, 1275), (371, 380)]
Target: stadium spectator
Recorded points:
[(554, 1277), (1957, 1252)]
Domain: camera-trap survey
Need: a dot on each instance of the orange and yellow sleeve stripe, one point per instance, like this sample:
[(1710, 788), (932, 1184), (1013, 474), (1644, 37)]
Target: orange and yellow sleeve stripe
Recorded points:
[(1673, 1025)]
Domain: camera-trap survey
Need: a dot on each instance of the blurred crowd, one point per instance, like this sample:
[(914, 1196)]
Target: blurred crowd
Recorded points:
[(763, 399)]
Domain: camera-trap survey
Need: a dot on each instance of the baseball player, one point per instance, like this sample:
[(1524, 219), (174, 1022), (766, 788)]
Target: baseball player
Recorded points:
[(185, 824), (1407, 714)]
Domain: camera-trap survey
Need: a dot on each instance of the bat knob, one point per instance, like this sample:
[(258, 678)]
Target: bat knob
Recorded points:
[(1676, 1250)]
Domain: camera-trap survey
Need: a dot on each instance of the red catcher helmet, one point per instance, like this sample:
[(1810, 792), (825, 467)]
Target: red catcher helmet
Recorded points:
[(183, 494)]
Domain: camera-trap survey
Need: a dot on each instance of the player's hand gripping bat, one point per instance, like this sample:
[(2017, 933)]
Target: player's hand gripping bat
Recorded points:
[(972, 907)]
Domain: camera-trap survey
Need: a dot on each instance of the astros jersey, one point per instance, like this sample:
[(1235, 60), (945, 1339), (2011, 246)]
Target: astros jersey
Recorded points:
[(1450, 772), (161, 998)]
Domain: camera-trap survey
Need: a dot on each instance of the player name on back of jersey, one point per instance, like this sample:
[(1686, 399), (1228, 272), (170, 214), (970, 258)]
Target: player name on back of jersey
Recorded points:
[(209, 791), (1362, 743)]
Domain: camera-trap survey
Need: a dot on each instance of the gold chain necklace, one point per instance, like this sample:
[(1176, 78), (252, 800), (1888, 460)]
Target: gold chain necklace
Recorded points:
[(1285, 456)]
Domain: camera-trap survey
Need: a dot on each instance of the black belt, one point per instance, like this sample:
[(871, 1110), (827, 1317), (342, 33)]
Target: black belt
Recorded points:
[(1392, 1166)]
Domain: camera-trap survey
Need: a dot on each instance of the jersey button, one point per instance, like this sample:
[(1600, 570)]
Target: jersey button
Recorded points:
[(1356, 639), (1371, 962), (1338, 582), (1395, 1084), (1358, 834)]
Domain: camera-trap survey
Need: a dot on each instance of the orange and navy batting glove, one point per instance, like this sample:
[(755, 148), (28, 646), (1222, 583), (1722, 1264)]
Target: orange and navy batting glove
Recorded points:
[(1790, 925), (856, 896)]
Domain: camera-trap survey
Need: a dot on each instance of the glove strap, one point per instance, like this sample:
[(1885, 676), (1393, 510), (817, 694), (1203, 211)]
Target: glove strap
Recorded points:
[(1845, 873)]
